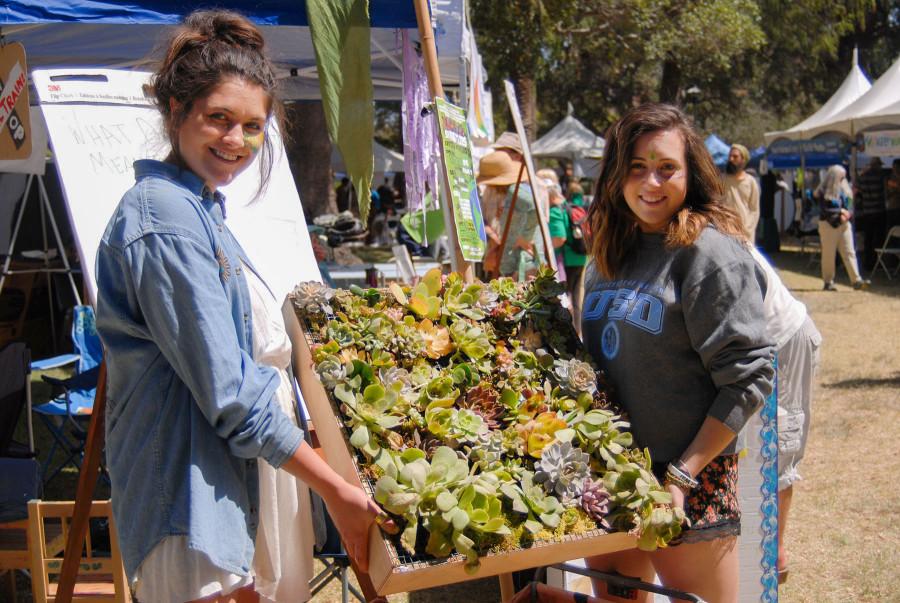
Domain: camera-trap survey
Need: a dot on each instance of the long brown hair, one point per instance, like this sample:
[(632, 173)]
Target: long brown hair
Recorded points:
[(614, 226), (210, 46)]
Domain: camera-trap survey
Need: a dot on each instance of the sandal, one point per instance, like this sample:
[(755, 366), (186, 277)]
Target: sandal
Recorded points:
[(783, 575)]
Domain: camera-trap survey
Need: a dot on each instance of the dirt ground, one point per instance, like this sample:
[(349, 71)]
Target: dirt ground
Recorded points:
[(841, 532)]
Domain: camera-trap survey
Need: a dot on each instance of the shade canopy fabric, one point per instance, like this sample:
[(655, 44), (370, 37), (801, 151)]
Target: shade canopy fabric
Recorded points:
[(853, 87), (116, 34), (886, 118), (386, 160), (718, 148), (569, 139), (884, 93)]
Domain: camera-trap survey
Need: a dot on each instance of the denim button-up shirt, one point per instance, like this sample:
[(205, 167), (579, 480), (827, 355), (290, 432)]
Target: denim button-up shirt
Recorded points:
[(188, 410)]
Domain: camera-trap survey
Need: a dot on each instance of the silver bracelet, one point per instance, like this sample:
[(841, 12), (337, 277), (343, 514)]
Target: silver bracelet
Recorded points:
[(680, 477)]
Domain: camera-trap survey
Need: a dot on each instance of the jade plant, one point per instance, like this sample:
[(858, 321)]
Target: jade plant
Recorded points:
[(478, 417)]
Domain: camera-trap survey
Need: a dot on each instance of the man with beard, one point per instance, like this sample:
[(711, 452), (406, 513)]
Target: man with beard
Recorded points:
[(742, 190)]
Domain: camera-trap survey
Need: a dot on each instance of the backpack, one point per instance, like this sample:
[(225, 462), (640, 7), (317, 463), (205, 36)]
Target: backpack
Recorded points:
[(579, 228)]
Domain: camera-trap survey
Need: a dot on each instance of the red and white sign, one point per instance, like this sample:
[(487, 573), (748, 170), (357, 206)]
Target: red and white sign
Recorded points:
[(15, 117)]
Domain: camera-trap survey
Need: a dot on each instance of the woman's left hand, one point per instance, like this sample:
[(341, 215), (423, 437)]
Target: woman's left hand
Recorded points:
[(678, 495)]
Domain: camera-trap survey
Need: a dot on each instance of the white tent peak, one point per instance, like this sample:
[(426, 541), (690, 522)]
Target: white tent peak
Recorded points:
[(883, 93), (854, 86), (569, 139)]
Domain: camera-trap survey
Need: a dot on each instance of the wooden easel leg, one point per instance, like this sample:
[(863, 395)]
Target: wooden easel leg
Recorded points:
[(87, 481), (507, 590)]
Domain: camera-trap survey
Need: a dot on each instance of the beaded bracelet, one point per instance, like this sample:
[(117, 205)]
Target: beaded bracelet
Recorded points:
[(680, 477)]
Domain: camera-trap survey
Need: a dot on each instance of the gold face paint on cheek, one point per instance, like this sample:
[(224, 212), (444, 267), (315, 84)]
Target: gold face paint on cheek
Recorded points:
[(254, 141)]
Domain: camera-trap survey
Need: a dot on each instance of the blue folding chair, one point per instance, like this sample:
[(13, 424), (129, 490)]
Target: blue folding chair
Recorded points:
[(67, 415)]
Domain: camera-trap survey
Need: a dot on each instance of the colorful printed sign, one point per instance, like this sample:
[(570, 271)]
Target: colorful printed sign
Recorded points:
[(886, 142), (457, 163), (15, 117)]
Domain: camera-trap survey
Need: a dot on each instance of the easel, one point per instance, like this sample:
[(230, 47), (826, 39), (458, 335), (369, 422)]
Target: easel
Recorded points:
[(46, 212)]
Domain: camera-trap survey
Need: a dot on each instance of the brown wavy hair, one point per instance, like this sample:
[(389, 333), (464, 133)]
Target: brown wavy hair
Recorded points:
[(614, 226), (207, 48)]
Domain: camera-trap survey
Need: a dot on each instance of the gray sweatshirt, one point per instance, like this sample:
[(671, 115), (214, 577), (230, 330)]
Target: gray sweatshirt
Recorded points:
[(681, 334)]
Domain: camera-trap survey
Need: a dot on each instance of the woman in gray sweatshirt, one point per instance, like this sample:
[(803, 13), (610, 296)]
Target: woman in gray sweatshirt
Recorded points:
[(673, 313)]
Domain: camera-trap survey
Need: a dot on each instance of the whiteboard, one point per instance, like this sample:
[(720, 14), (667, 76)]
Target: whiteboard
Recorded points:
[(99, 123)]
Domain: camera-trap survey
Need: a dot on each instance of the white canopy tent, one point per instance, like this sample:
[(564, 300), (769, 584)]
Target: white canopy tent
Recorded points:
[(853, 87), (886, 118), (569, 139), (386, 160), (885, 92)]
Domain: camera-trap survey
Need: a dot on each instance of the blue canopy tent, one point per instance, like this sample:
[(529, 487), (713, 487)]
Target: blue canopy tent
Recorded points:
[(123, 34), (817, 153), (718, 148)]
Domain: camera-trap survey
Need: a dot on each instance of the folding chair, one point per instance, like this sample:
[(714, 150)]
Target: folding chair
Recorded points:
[(893, 233), (337, 565), (101, 575), (67, 415)]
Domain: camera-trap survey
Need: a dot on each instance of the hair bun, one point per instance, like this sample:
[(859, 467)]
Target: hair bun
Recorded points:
[(227, 27)]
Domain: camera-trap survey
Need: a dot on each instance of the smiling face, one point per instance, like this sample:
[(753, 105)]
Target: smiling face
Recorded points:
[(656, 184), (223, 132)]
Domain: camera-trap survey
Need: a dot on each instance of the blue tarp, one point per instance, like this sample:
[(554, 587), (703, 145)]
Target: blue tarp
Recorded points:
[(383, 13), (718, 148)]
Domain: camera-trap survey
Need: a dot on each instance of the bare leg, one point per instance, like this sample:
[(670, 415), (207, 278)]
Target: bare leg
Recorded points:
[(784, 505), (706, 569), (634, 564)]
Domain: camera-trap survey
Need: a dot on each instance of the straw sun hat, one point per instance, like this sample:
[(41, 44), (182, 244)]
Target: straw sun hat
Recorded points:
[(498, 169)]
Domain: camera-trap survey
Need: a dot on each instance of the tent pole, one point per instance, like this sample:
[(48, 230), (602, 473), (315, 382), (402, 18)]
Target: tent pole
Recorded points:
[(429, 54)]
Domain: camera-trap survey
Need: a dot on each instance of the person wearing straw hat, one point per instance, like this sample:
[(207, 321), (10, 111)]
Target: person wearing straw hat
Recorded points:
[(499, 173), (742, 190)]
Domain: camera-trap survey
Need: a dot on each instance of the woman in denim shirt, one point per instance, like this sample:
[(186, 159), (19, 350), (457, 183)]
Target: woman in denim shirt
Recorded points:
[(189, 410)]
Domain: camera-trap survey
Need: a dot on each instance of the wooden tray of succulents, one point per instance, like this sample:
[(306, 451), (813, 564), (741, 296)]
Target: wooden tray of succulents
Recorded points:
[(472, 414)]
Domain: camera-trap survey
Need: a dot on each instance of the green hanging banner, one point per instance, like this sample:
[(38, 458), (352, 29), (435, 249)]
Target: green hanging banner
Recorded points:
[(341, 38), (460, 172)]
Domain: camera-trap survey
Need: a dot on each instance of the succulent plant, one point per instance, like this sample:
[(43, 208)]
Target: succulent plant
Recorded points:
[(423, 299), (595, 501), (312, 297), (575, 376), (532, 500), (562, 469), (484, 400), (370, 417), (540, 432), (461, 299), (472, 340), (639, 504), (436, 338)]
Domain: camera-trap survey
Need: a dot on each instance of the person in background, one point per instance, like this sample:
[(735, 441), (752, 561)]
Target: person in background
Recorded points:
[(566, 178), (869, 209), (892, 196), (345, 195), (673, 313), (386, 198), (742, 190), (573, 260), (555, 220), (195, 349), (509, 143), (835, 211), (521, 253), (797, 344)]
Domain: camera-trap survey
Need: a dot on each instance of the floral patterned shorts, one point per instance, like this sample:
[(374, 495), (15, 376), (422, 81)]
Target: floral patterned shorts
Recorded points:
[(712, 508)]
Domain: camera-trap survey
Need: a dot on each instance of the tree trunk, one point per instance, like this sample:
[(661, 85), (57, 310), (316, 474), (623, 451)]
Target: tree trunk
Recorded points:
[(526, 91), (670, 83), (309, 153)]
